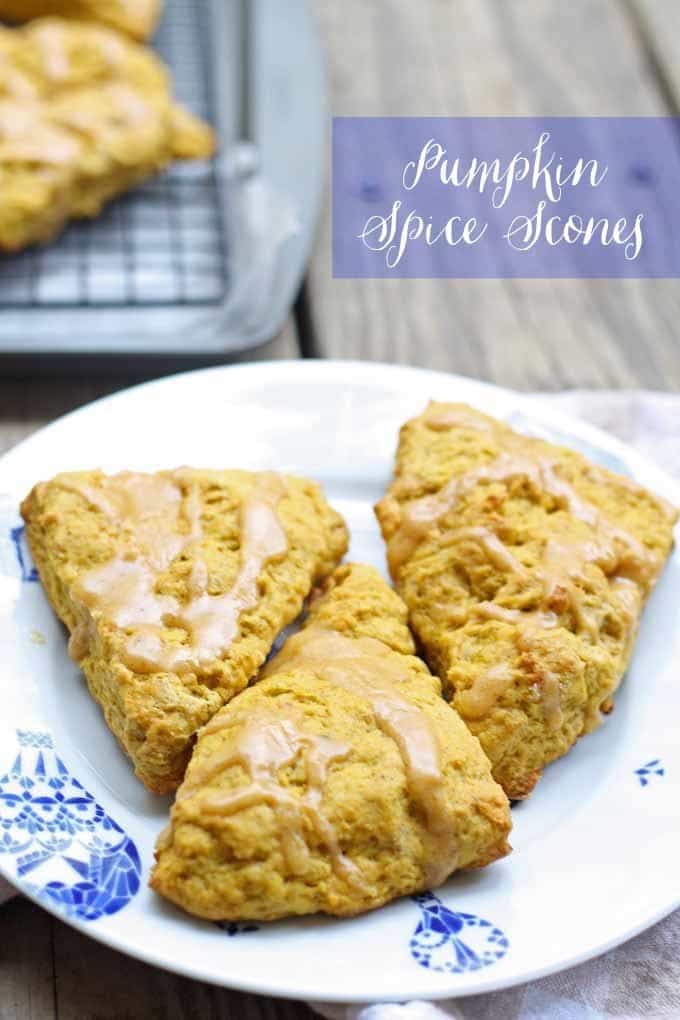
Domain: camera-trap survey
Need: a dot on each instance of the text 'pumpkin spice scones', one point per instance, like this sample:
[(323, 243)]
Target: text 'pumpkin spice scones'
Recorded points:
[(337, 782), (525, 569), (85, 114), (174, 586), (135, 17)]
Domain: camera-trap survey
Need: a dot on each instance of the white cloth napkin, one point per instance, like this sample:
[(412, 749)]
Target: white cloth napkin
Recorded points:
[(641, 979)]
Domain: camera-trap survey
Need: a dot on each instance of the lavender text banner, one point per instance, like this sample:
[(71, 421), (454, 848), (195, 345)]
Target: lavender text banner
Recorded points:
[(498, 197)]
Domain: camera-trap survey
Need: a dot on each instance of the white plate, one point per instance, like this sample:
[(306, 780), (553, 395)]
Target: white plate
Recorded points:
[(596, 846)]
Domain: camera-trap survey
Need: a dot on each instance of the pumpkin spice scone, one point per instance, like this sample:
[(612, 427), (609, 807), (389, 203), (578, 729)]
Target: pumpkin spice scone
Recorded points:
[(525, 569), (337, 782), (174, 587), (137, 18), (85, 114)]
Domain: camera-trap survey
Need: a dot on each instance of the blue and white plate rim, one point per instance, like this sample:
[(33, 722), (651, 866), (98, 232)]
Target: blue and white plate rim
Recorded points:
[(393, 380)]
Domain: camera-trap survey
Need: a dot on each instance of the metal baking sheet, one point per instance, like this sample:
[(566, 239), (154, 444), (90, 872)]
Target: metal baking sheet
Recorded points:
[(204, 260)]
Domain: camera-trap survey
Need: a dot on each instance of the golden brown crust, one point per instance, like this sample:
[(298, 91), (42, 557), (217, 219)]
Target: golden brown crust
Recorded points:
[(137, 18), (85, 114), (155, 712), (224, 854), (525, 569)]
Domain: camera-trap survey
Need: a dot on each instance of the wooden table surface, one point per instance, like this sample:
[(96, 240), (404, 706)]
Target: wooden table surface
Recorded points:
[(521, 57)]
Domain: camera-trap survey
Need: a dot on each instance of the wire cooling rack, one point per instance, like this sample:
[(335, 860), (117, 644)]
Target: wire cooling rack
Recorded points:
[(163, 244), (204, 261)]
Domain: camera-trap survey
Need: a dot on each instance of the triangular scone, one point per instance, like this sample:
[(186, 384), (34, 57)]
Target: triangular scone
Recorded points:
[(85, 114), (525, 569), (339, 781), (174, 587), (135, 17)]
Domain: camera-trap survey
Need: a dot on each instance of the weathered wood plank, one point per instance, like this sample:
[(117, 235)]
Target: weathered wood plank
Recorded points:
[(483, 57), (657, 23), (96, 983), (26, 963)]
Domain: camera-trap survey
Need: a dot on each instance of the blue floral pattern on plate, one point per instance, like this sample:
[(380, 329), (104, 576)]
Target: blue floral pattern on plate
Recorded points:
[(18, 538), (67, 851), (650, 769), (454, 943), (231, 928)]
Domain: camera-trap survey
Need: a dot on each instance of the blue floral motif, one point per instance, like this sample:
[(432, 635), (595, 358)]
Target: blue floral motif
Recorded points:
[(18, 538), (651, 768), (67, 850), (438, 945), (232, 928)]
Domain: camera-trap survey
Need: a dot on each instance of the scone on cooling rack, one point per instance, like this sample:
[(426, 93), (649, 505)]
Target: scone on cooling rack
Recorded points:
[(85, 114), (525, 569), (174, 587), (137, 18), (337, 782)]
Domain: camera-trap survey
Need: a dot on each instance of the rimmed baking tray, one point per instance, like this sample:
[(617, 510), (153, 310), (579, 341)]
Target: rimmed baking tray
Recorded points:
[(205, 260)]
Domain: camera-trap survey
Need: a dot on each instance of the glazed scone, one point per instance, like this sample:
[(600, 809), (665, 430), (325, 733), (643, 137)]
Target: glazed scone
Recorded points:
[(173, 587), (85, 114), (525, 569), (137, 18), (339, 781)]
